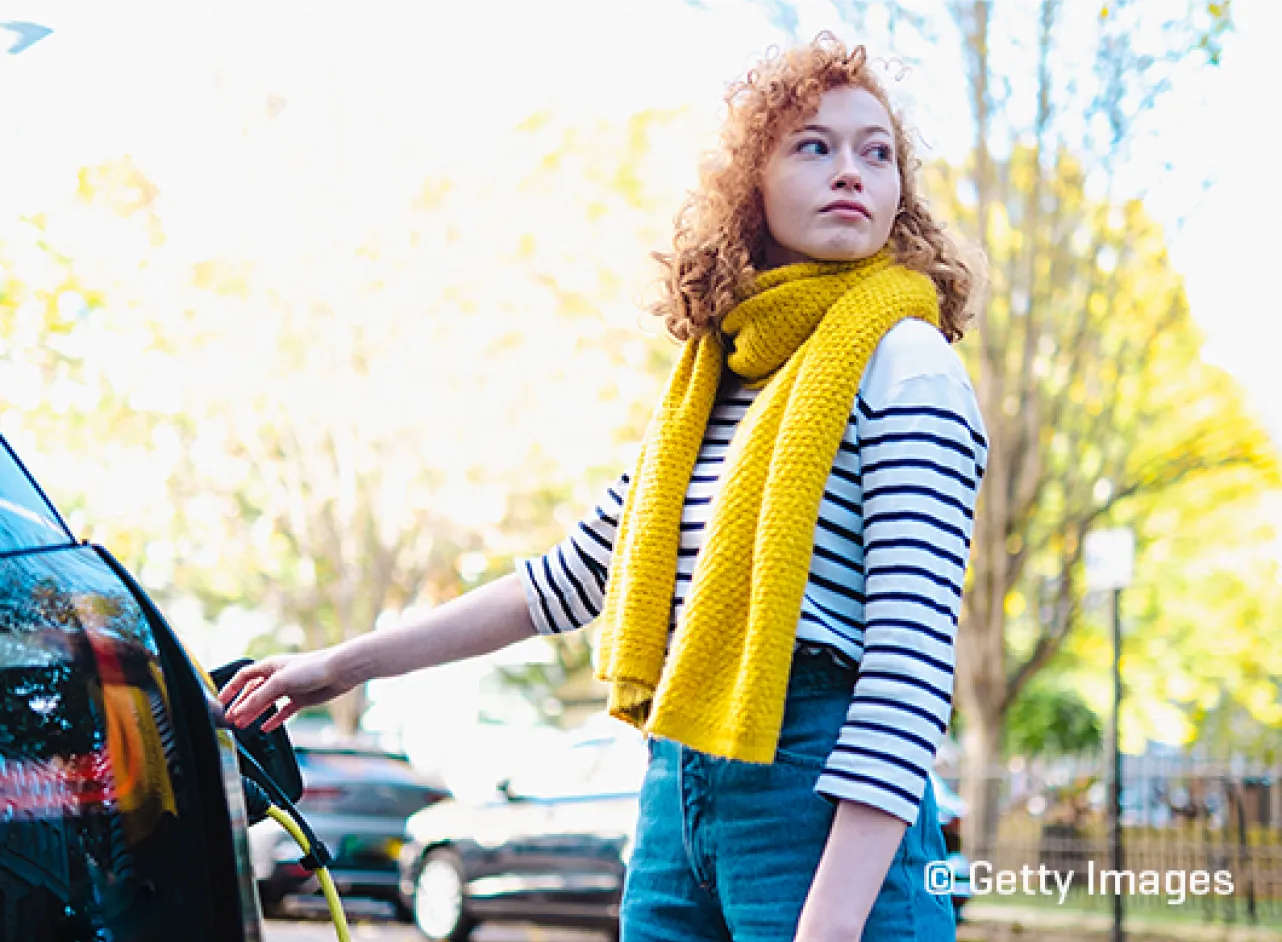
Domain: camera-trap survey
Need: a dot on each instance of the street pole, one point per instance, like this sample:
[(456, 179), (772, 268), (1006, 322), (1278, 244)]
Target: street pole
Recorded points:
[(1115, 790), (1110, 567)]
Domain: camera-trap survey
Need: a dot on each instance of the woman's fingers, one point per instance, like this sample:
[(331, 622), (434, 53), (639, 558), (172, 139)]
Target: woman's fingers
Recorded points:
[(249, 687), (240, 679), (255, 700)]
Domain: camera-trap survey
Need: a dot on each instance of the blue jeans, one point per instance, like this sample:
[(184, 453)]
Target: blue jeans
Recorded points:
[(726, 851)]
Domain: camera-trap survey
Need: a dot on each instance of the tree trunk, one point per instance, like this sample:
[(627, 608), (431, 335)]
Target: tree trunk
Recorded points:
[(346, 711), (981, 777)]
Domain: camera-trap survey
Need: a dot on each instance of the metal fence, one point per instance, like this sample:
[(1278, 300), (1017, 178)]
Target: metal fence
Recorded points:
[(1201, 838)]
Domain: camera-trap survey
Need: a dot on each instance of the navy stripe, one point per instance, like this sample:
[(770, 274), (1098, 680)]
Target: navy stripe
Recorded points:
[(869, 780), (939, 441), (874, 467), (906, 543), (843, 532), (838, 559), (939, 580), (543, 602), (816, 620), (912, 597), (910, 652), (909, 626), (877, 493), (836, 587), (844, 504), (837, 616), (913, 515), (599, 572), (886, 757), (912, 708), (850, 477), (895, 731), (578, 586), (909, 681), (547, 571), (597, 538), (913, 411)]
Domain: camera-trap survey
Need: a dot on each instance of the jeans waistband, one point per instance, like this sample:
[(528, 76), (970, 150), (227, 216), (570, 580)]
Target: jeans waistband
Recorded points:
[(814, 668)]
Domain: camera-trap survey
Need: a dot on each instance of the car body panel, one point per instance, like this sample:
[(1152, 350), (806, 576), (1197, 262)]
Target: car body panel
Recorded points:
[(122, 810)]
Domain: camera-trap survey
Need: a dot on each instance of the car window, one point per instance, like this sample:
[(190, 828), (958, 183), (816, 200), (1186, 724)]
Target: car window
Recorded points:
[(99, 829), (27, 521), (357, 765), (606, 765)]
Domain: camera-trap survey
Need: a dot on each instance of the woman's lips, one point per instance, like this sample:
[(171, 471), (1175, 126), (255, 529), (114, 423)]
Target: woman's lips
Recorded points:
[(846, 211)]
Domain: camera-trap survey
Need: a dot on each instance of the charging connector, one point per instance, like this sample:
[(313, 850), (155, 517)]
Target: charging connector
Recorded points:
[(327, 883)]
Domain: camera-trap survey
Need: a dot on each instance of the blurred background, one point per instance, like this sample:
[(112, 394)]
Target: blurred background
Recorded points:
[(318, 315)]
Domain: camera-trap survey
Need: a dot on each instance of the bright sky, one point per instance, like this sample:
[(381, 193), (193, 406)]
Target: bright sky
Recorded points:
[(404, 87)]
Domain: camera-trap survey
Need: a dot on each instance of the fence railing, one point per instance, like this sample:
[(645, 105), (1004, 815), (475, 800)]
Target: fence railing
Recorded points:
[(1201, 838)]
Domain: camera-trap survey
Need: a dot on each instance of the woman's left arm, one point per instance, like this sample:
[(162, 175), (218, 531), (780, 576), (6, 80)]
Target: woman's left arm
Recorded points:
[(922, 455), (860, 847)]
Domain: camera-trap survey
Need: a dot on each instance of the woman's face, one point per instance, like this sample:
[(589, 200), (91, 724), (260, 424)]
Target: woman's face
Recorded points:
[(842, 154)]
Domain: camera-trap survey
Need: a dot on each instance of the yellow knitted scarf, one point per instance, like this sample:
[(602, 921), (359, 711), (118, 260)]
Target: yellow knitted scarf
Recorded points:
[(805, 332)]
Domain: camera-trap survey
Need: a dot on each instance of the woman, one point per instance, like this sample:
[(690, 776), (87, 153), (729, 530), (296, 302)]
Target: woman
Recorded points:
[(785, 562)]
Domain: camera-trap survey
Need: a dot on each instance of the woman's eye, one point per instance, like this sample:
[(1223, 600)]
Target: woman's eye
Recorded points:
[(815, 141), (881, 152)]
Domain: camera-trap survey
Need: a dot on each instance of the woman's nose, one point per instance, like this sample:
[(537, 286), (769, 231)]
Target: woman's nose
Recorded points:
[(847, 175)]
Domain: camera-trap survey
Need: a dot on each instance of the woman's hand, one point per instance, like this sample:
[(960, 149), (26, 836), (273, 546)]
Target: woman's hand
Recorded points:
[(303, 679)]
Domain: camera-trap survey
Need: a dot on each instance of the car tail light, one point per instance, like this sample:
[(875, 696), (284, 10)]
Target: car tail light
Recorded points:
[(320, 795)]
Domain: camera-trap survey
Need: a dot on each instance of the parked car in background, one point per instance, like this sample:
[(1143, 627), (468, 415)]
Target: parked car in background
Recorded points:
[(551, 845), (122, 811), (357, 800)]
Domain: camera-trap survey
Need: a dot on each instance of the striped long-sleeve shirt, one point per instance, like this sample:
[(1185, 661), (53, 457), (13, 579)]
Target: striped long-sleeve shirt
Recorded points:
[(890, 551)]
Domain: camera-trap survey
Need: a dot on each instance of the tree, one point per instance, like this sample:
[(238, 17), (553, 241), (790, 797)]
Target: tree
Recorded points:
[(1086, 357)]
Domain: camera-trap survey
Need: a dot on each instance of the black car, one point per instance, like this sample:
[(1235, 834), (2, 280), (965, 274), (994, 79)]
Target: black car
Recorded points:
[(550, 847), (357, 800), (121, 810)]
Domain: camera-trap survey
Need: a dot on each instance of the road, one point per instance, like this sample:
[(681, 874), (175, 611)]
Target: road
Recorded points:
[(319, 931), (316, 930), (370, 922)]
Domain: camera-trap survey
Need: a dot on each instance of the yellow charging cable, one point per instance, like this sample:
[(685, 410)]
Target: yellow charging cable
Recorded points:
[(327, 883)]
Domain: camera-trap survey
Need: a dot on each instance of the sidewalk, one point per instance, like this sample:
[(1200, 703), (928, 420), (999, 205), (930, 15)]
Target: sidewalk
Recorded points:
[(986, 922)]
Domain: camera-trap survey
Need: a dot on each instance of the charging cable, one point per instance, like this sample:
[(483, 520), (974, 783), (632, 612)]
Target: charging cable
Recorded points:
[(322, 874), (316, 857)]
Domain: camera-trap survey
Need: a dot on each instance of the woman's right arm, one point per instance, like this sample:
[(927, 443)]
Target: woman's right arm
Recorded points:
[(478, 622), (560, 591)]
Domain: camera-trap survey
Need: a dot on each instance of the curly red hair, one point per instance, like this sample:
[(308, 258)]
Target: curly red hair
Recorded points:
[(719, 243)]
